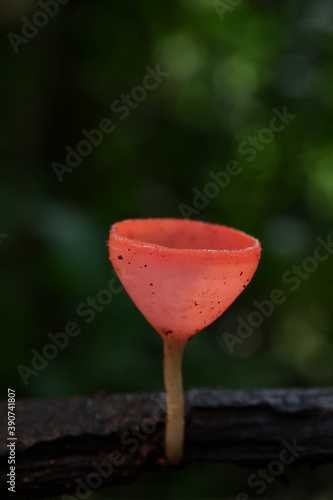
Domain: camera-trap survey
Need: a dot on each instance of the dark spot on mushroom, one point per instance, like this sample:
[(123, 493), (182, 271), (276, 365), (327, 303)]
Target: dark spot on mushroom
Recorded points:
[(244, 286), (218, 302), (128, 249), (153, 293), (196, 331), (151, 284), (168, 332), (241, 274), (145, 265), (129, 262), (247, 281), (200, 312), (195, 303), (212, 308), (120, 257)]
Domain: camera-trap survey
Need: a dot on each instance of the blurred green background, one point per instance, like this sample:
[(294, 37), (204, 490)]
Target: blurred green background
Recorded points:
[(228, 69)]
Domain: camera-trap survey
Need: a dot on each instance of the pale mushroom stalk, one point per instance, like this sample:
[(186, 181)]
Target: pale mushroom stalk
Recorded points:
[(175, 423)]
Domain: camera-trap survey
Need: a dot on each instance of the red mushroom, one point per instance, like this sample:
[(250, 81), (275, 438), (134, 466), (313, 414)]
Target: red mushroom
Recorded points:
[(182, 275)]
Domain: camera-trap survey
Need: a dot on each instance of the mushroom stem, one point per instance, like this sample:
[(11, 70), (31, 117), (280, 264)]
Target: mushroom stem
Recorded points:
[(174, 432)]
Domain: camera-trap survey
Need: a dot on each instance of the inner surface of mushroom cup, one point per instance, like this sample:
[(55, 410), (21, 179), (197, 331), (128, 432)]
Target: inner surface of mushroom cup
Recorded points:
[(185, 234), (182, 275)]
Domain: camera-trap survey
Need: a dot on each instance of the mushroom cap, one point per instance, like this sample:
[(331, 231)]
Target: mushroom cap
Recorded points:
[(182, 274)]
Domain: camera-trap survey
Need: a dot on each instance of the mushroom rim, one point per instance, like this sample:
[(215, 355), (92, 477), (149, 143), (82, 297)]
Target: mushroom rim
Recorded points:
[(255, 247)]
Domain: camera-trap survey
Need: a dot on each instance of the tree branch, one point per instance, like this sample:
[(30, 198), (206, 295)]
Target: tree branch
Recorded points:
[(60, 441)]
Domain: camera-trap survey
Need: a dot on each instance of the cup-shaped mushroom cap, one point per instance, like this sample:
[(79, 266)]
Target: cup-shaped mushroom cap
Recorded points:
[(181, 274)]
